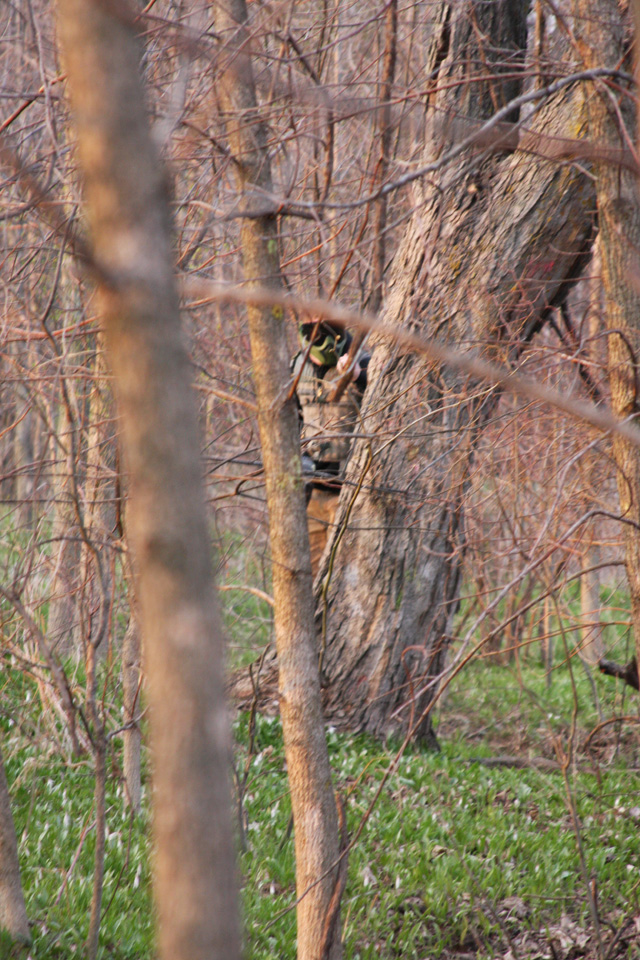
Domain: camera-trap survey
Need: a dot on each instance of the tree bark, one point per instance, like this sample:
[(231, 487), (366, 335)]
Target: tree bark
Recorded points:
[(312, 798), (63, 628), (64, 621), (13, 915), (131, 701), (491, 247), (600, 30), (98, 511), (590, 644), (128, 214)]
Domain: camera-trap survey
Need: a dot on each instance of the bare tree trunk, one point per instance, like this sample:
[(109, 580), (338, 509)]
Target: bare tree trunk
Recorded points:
[(591, 646), (601, 33), (312, 798), (131, 696), (98, 511), (491, 246), (99, 794), (24, 455), (128, 214), (62, 621), (547, 641), (131, 659), (13, 915), (385, 136)]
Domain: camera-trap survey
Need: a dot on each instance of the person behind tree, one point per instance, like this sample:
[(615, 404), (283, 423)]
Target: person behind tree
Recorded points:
[(327, 422)]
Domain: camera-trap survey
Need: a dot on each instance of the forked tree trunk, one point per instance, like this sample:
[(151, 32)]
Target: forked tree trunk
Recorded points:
[(601, 36), (318, 877), (491, 246), (13, 915), (129, 218)]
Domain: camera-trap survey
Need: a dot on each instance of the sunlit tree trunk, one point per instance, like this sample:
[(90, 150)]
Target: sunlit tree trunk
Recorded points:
[(591, 646), (600, 29), (128, 214), (491, 246), (312, 798)]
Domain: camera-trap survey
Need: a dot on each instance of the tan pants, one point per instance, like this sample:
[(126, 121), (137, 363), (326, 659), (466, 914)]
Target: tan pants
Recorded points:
[(321, 511)]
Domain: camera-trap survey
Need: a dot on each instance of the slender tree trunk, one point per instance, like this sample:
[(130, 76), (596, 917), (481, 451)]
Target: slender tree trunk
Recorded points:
[(491, 246), (132, 657), (24, 455), (385, 136), (98, 510), (13, 915), (128, 215), (591, 645), (131, 696), (99, 795), (312, 798), (62, 621), (547, 641), (600, 28)]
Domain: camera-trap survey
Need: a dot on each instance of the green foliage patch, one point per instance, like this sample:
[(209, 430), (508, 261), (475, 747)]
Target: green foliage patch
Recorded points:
[(53, 809), (456, 855)]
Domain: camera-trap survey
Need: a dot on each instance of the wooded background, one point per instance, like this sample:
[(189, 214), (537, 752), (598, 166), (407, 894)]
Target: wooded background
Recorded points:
[(464, 173)]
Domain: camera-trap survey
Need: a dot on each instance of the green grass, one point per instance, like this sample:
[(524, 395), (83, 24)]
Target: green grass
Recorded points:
[(455, 855), (53, 813), (448, 848)]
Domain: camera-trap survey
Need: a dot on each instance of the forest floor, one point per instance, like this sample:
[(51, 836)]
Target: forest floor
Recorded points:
[(580, 736), (518, 840)]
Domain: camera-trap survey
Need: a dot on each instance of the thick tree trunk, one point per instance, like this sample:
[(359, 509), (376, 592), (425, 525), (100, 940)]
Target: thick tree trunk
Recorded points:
[(315, 820), (492, 244), (128, 214), (13, 915), (601, 36)]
